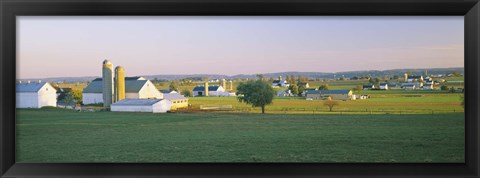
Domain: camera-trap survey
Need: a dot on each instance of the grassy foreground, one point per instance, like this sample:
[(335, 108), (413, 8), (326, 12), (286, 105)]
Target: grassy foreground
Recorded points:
[(57, 135)]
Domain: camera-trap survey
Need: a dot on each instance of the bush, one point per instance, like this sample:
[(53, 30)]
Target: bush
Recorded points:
[(186, 93)]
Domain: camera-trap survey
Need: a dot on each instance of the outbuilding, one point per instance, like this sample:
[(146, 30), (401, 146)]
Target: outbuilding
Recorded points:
[(332, 94), (177, 100), (135, 88), (35, 95), (141, 105)]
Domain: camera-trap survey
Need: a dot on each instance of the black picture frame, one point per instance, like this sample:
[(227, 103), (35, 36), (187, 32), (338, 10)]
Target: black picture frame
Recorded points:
[(9, 9)]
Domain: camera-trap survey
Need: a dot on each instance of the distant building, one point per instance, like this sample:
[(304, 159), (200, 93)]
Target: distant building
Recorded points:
[(368, 87), (304, 84), (409, 86), (383, 86), (141, 105), (413, 78), (177, 100), (212, 91), (35, 95), (325, 94), (280, 83), (284, 93), (135, 88), (428, 87), (168, 91)]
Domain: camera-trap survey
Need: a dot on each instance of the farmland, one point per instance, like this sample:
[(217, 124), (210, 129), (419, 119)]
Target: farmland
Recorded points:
[(60, 135)]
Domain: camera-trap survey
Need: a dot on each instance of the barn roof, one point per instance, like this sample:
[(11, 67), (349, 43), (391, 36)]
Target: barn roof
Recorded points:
[(173, 96), (415, 77), (29, 87), (131, 86), (328, 91), (202, 88), (136, 102), (167, 91)]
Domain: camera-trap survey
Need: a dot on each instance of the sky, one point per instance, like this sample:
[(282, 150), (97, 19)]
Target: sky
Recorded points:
[(70, 46)]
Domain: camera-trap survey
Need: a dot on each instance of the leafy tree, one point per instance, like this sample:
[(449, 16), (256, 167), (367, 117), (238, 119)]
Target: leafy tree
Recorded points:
[(323, 87), (331, 104), (77, 96), (258, 93), (301, 88), (288, 79), (451, 90), (186, 93), (293, 89), (173, 86), (294, 81), (358, 88), (395, 77), (374, 81), (443, 87)]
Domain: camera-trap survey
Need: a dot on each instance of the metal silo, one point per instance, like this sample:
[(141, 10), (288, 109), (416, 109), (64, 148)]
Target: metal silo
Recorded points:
[(119, 83), (107, 77), (206, 89)]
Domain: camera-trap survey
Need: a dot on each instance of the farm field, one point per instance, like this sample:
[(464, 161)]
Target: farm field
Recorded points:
[(377, 104), (60, 135)]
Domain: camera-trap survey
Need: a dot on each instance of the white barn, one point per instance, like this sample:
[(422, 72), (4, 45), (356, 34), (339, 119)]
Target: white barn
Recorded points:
[(135, 88), (212, 91), (141, 105), (35, 95)]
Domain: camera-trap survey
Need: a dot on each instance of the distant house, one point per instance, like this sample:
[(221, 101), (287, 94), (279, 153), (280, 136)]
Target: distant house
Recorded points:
[(383, 86), (414, 78), (135, 88), (284, 93), (304, 84), (212, 91), (368, 87), (35, 95), (409, 86), (168, 91), (177, 100), (280, 83), (428, 87), (325, 94), (141, 105)]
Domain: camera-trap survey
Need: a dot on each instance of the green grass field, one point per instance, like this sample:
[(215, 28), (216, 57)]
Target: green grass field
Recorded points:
[(58, 135)]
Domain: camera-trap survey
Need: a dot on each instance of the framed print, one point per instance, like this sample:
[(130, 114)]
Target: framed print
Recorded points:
[(251, 88)]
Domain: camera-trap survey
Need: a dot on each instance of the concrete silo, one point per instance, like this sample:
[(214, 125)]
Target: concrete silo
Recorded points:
[(224, 84), (206, 89), (231, 84), (107, 77), (119, 83)]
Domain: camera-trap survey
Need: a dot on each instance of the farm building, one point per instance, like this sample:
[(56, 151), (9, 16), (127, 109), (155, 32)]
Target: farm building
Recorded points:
[(333, 94), (368, 87), (383, 86), (304, 84), (141, 105), (413, 78), (168, 91), (409, 86), (280, 83), (135, 88), (284, 93), (209, 91), (428, 87), (177, 100), (35, 95)]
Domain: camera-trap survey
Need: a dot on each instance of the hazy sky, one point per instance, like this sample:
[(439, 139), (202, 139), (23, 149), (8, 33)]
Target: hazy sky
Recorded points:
[(76, 46)]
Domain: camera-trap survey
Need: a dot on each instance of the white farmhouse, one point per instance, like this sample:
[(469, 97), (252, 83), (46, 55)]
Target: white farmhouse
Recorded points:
[(141, 105), (35, 95), (280, 83), (135, 88), (383, 86)]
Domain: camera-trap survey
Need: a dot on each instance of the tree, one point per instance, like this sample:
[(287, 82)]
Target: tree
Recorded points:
[(186, 93), (293, 89), (77, 96), (68, 100), (294, 81), (288, 79), (258, 93), (358, 88), (451, 90), (173, 86), (331, 104), (323, 87), (301, 88), (443, 87)]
